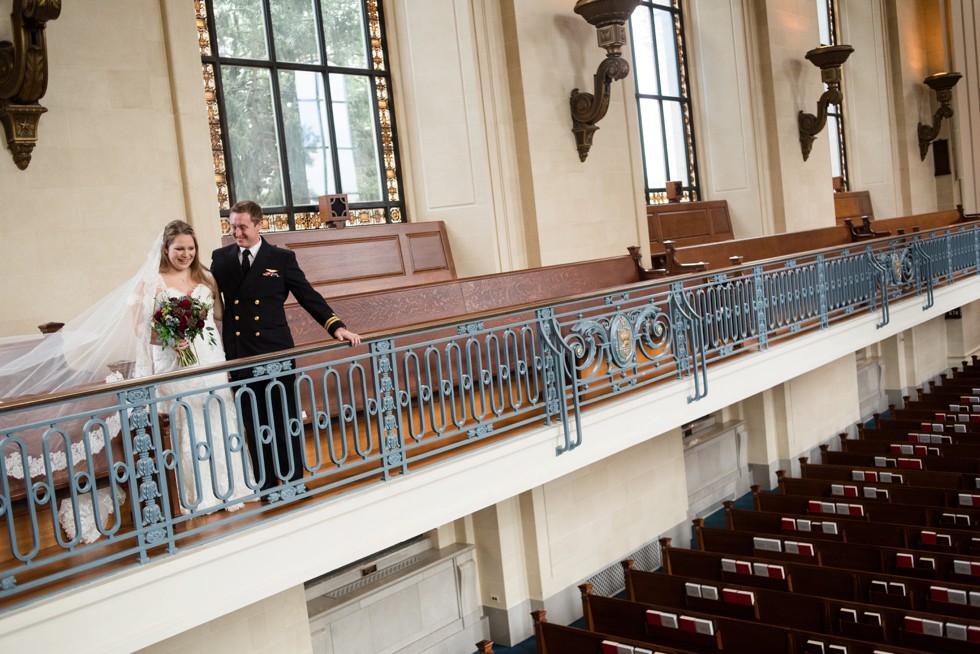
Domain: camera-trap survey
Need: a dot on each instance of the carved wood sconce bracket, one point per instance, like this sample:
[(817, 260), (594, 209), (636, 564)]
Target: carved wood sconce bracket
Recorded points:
[(24, 75)]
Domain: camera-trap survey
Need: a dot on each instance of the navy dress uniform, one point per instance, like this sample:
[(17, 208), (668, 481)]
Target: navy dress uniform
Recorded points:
[(255, 323)]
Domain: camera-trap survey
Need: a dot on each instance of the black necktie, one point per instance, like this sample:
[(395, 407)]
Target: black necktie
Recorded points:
[(246, 254)]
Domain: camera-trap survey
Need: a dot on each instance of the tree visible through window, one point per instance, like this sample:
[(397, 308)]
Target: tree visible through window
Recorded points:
[(298, 96), (663, 99)]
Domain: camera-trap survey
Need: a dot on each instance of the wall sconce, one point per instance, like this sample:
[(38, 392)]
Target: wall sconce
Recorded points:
[(829, 59), (609, 18), (942, 84), (24, 75)]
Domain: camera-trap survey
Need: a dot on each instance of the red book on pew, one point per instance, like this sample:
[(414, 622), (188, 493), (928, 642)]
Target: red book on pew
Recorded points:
[(928, 537), (662, 619), (903, 560), (697, 625), (910, 464), (610, 647), (788, 524)]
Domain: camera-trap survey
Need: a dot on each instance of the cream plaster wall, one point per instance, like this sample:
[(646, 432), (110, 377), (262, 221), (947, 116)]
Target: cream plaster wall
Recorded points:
[(105, 176), (965, 21), (274, 625), (913, 29), (728, 102), (581, 210), (802, 187), (819, 405), (929, 348), (964, 334), (455, 129), (107, 173), (868, 117), (586, 520)]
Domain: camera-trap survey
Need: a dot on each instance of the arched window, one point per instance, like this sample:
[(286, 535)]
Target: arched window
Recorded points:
[(663, 98), (826, 18), (299, 102)]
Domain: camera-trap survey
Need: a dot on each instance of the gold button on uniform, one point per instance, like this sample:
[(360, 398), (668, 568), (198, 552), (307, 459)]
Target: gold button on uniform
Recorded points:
[(256, 301), (238, 333), (256, 318), (236, 317), (256, 333), (236, 301)]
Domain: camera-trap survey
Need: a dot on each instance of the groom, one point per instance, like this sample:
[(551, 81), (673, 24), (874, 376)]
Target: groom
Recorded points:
[(255, 278)]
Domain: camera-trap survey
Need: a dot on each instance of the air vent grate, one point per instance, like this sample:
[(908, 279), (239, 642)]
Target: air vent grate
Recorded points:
[(610, 582)]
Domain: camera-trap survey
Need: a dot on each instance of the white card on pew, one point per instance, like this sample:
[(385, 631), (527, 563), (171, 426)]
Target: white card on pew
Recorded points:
[(955, 631), (709, 592)]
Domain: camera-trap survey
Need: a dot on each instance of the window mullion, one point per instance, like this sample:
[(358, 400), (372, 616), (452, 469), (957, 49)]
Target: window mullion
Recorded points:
[(287, 186)]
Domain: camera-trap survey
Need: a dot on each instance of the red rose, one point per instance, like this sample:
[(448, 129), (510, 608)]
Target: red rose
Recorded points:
[(183, 323), (185, 303)]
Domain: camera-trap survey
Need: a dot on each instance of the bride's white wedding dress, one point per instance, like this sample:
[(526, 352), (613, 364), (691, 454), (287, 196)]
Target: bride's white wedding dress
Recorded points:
[(210, 454)]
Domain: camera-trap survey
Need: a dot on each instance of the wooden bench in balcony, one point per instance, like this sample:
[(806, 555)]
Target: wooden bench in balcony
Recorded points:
[(724, 253), (852, 205)]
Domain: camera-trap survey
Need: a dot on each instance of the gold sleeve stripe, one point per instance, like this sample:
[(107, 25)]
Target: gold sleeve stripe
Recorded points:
[(331, 321)]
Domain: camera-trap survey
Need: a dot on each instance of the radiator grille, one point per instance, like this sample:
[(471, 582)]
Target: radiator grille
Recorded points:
[(340, 592), (610, 582)]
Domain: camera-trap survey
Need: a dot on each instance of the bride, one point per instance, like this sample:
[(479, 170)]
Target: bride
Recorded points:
[(209, 450), (210, 447)]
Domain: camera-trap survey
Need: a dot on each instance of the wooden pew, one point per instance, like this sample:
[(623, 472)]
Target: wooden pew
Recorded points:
[(869, 460), (941, 566), (551, 638), (883, 446), (819, 488), (852, 205), (681, 224), (791, 610), (704, 632), (872, 511), (850, 585), (789, 524), (921, 478)]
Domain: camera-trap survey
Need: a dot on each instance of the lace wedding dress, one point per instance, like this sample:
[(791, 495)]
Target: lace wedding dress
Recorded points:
[(212, 460)]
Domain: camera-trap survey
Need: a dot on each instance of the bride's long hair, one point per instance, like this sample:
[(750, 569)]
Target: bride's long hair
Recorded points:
[(199, 273)]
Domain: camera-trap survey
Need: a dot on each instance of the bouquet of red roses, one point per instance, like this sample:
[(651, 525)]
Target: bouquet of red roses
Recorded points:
[(179, 319)]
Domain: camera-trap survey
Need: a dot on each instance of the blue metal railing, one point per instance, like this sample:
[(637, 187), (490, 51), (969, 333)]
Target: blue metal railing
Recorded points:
[(97, 481)]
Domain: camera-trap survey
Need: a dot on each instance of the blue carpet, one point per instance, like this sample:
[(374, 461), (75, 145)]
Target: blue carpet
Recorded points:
[(716, 519)]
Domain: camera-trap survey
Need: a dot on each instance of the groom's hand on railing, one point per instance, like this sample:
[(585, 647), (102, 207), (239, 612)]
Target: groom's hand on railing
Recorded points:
[(344, 334)]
